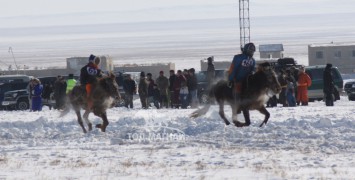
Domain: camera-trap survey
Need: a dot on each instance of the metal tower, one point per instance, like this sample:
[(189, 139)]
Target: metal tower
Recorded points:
[(244, 22)]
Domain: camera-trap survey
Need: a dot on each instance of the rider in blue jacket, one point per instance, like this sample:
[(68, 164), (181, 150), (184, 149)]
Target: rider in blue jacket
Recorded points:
[(242, 66)]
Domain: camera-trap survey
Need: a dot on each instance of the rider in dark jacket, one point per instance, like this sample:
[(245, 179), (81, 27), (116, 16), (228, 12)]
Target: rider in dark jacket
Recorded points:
[(89, 74)]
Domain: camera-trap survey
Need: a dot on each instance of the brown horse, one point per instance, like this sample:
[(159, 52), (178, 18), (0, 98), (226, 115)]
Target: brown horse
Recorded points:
[(257, 89), (104, 94)]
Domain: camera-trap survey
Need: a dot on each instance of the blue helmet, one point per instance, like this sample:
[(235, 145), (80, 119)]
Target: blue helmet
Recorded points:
[(249, 49), (92, 58)]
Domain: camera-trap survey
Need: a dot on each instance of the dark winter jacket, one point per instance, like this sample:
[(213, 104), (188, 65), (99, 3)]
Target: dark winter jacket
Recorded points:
[(171, 82), (192, 83), (210, 72), (60, 87), (177, 83), (129, 86), (89, 73), (328, 81), (163, 84), (143, 87), (150, 87)]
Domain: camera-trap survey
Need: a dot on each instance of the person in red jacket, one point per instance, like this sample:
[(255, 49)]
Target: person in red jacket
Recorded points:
[(304, 81)]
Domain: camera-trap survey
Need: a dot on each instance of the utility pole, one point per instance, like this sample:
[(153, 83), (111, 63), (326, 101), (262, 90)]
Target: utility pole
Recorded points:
[(244, 22), (10, 50)]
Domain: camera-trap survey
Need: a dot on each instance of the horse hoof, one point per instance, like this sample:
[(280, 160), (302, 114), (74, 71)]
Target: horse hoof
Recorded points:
[(98, 125), (228, 123), (238, 124), (90, 127)]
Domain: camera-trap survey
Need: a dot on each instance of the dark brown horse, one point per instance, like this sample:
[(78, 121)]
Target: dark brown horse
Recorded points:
[(257, 89), (104, 94)]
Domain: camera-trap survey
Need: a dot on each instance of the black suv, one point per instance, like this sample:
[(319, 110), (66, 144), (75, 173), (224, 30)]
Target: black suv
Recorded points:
[(17, 98), (349, 88), (202, 83)]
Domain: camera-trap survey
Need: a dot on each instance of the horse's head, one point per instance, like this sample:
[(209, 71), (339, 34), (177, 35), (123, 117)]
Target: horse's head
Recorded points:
[(273, 84), (111, 87)]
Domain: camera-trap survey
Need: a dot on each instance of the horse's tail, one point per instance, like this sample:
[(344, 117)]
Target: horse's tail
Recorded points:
[(206, 107)]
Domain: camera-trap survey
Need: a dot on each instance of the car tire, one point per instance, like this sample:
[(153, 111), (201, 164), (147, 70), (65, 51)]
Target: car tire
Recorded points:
[(22, 105)]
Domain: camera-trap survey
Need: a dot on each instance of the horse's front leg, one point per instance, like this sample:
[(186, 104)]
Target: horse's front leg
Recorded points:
[(221, 112), (263, 110), (80, 121), (86, 118), (105, 122)]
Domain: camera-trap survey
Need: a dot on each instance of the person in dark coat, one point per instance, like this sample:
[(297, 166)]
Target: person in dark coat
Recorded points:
[(171, 87), (60, 88), (143, 90), (151, 83), (46, 95), (36, 95), (156, 96), (180, 78), (328, 88), (163, 85), (283, 83), (130, 88), (210, 70), (192, 87)]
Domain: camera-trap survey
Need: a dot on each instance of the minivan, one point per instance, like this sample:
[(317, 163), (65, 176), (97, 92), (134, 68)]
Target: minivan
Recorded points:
[(315, 91)]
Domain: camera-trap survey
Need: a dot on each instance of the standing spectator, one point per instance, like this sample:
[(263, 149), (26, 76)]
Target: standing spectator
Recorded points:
[(71, 82), (156, 96), (29, 90), (192, 87), (151, 83), (130, 88), (328, 88), (171, 87), (294, 72), (290, 92), (143, 90), (163, 85), (60, 87), (46, 95), (177, 85), (304, 81), (283, 83), (36, 95), (183, 95), (210, 70), (186, 74)]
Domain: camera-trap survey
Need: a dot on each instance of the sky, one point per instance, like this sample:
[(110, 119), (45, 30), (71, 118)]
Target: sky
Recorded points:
[(17, 13)]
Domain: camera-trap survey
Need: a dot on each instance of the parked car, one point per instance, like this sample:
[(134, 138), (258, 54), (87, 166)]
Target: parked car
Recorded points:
[(349, 88), (315, 91), (202, 83), (17, 98), (10, 83)]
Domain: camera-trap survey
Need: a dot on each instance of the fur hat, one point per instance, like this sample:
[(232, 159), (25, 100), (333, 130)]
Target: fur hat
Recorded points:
[(142, 74), (329, 65), (91, 58)]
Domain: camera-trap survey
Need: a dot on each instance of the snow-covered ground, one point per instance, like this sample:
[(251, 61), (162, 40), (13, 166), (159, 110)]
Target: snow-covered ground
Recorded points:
[(314, 142)]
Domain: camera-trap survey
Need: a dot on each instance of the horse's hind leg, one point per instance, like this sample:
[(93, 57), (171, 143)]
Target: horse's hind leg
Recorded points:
[(86, 118), (263, 110), (221, 112), (80, 121), (105, 122)]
